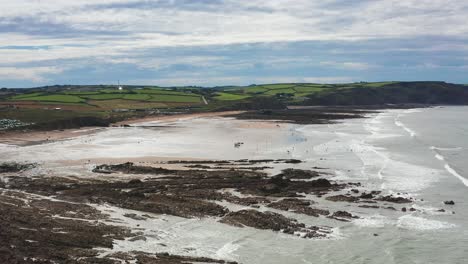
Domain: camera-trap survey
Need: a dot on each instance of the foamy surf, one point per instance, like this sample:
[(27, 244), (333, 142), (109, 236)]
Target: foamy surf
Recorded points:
[(404, 127), (421, 224), (374, 221), (447, 167), (455, 173)]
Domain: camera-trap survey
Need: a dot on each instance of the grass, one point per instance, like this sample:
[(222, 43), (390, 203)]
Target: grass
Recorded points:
[(280, 91), (161, 91), (278, 86), (126, 104), (175, 98), (255, 90), (80, 93), (229, 96), (22, 96), (308, 89), (114, 91), (137, 97), (62, 98), (377, 84), (42, 115), (104, 96)]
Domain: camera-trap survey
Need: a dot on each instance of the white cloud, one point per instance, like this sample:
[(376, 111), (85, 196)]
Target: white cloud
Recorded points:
[(34, 74), (347, 65), (79, 30)]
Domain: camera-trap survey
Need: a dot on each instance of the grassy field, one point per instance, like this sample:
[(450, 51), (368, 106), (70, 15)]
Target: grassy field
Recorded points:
[(61, 98), (105, 96), (175, 98), (229, 96), (99, 100), (137, 97), (188, 96), (147, 95)]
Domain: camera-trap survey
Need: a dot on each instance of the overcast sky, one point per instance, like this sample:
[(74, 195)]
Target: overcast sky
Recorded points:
[(222, 42)]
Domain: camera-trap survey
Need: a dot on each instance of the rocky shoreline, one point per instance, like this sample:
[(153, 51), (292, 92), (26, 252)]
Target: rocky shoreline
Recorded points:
[(52, 219)]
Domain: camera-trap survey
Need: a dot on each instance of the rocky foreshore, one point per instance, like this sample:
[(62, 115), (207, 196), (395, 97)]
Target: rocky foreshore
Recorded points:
[(67, 227)]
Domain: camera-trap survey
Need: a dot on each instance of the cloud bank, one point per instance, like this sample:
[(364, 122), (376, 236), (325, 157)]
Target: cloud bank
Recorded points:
[(216, 42)]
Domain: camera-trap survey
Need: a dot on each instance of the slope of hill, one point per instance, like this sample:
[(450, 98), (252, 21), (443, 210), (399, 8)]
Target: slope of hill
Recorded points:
[(55, 103)]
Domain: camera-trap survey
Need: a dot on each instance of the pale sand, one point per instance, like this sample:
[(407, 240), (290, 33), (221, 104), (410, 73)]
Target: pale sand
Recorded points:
[(176, 117), (37, 137), (260, 124)]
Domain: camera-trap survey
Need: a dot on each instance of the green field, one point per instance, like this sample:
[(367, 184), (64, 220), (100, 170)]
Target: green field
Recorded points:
[(103, 96), (175, 98), (135, 97), (60, 102), (23, 96), (146, 95), (187, 95), (229, 96), (138, 97), (54, 98)]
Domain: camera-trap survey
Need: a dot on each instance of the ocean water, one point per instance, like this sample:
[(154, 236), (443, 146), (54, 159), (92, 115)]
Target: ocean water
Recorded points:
[(420, 153)]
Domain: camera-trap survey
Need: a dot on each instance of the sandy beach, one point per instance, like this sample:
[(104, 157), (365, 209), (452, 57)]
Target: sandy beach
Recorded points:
[(37, 137)]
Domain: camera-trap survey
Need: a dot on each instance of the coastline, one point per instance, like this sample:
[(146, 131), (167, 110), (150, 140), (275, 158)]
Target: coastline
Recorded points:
[(32, 137)]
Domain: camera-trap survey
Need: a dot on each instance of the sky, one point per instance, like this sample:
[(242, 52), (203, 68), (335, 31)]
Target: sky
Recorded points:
[(231, 42)]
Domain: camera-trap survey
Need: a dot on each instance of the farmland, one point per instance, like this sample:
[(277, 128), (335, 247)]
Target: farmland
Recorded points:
[(51, 103)]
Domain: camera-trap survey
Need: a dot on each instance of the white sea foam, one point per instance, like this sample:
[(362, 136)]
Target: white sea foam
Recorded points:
[(446, 149), (227, 251), (376, 221), (419, 223), (411, 111), (430, 210), (447, 167), (455, 173), (407, 129)]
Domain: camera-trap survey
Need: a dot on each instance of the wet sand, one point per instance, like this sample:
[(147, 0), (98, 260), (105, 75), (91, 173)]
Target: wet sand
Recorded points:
[(38, 137)]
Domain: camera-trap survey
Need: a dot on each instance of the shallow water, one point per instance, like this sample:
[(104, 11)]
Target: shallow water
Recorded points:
[(421, 153)]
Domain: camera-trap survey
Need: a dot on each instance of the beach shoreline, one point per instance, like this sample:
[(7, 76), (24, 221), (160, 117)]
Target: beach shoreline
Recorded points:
[(22, 138)]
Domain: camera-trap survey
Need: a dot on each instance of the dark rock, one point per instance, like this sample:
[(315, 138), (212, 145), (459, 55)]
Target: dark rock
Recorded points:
[(324, 183), (449, 202), (298, 206), (342, 216), (369, 206), (298, 174), (342, 198), (394, 199), (135, 181), (269, 220), (14, 167), (366, 196), (135, 217)]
